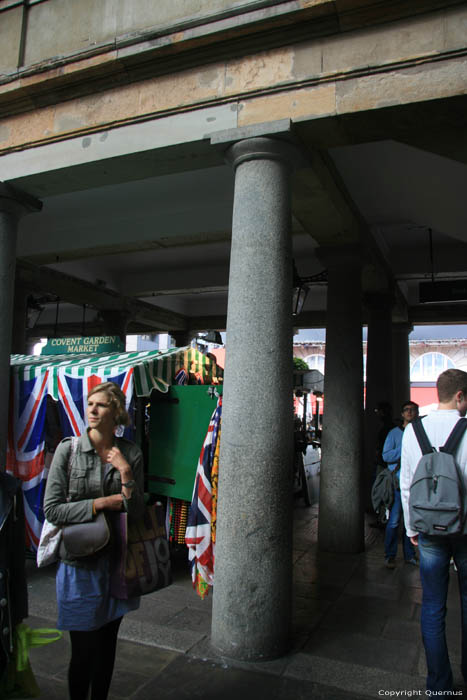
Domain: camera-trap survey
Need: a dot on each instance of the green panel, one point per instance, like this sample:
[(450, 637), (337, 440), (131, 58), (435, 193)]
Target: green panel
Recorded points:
[(178, 424)]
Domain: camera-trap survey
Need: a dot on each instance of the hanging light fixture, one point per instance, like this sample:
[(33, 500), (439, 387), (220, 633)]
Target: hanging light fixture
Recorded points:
[(57, 309), (203, 339), (299, 293), (301, 286), (441, 291), (83, 323), (34, 311)]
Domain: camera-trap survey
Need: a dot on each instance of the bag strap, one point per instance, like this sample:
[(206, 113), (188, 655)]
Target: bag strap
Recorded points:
[(454, 438), (450, 446), (73, 450), (71, 457), (420, 433)]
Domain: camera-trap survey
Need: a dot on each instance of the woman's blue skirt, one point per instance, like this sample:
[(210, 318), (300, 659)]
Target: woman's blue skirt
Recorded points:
[(83, 596)]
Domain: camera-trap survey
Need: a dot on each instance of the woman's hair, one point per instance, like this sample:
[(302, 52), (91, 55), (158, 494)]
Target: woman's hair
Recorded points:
[(449, 383), (116, 398)]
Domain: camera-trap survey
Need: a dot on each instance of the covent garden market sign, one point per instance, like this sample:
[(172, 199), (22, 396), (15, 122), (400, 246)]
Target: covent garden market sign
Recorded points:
[(83, 345)]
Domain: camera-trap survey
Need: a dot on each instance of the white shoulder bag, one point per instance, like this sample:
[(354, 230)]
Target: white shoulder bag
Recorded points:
[(51, 535)]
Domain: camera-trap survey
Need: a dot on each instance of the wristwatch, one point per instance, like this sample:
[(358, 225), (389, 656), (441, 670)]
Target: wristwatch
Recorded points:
[(129, 484)]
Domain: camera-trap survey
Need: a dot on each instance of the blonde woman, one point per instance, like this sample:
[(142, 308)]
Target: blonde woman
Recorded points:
[(105, 474)]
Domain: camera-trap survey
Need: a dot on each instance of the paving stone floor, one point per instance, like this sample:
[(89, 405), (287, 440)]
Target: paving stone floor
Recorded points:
[(356, 634)]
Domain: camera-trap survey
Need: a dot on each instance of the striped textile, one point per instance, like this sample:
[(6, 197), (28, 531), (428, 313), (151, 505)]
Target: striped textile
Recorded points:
[(198, 533), (178, 517), (152, 369), (215, 487), (26, 448), (181, 377)]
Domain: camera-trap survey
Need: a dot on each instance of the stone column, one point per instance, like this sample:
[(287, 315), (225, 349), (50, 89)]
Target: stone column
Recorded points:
[(13, 205), (340, 526), (379, 376), (401, 364), (20, 319), (115, 322), (182, 338), (253, 571)]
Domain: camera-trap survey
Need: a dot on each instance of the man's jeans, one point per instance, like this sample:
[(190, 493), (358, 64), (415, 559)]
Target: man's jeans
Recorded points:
[(435, 555), (391, 537)]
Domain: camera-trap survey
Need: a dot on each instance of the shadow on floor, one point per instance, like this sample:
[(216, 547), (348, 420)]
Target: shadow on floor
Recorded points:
[(355, 632)]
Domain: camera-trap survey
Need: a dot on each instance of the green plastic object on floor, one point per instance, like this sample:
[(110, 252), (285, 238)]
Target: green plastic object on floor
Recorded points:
[(18, 681)]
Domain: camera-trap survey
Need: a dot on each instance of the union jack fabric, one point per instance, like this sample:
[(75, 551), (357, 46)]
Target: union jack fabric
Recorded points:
[(198, 537), (181, 377), (26, 448), (27, 458), (73, 397)]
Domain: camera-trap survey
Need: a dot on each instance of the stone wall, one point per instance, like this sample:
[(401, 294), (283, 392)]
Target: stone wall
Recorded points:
[(456, 350), (63, 27), (76, 70)]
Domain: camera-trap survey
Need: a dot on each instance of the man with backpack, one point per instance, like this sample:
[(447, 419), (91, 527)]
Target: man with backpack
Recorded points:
[(433, 491)]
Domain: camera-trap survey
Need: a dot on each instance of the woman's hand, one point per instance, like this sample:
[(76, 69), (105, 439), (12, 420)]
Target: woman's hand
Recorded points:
[(117, 460), (114, 502)]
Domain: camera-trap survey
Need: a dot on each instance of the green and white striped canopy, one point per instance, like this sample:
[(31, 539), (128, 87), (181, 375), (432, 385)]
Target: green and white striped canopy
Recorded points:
[(152, 369)]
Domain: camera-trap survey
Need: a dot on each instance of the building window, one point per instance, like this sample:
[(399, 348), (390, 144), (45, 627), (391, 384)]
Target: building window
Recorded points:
[(428, 367), (315, 362)]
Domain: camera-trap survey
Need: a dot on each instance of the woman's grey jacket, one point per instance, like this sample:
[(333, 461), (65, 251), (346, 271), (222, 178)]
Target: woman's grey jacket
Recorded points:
[(70, 490)]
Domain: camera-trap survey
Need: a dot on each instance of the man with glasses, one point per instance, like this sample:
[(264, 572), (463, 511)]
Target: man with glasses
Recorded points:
[(392, 456)]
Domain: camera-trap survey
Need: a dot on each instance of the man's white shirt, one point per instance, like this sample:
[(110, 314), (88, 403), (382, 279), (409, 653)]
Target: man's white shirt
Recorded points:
[(438, 425)]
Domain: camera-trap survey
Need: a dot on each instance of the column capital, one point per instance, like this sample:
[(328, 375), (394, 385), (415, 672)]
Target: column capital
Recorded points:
[(182, 338), (115, 322), (263, 148), (13, 201), (403, 327)]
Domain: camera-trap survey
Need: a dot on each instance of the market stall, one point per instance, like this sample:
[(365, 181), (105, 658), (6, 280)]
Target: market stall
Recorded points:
[(48, 400)]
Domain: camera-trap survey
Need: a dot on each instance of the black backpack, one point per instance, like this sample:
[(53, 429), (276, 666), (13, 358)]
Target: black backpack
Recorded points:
[(437, 497), (382, 494)]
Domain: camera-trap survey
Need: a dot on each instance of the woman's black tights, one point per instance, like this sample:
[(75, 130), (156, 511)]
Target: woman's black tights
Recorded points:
[(92, 661)]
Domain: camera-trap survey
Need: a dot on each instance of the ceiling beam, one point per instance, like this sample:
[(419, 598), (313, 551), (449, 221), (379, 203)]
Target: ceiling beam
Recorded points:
[(442, 314), (342, 223), (70, 329), (208, 323), (76, 291), (433, 314), (438, 314)]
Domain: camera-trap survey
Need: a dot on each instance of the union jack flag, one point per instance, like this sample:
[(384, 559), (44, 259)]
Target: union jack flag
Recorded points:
[(26, 449), (198, 532), (181, 376), (73, 397)]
